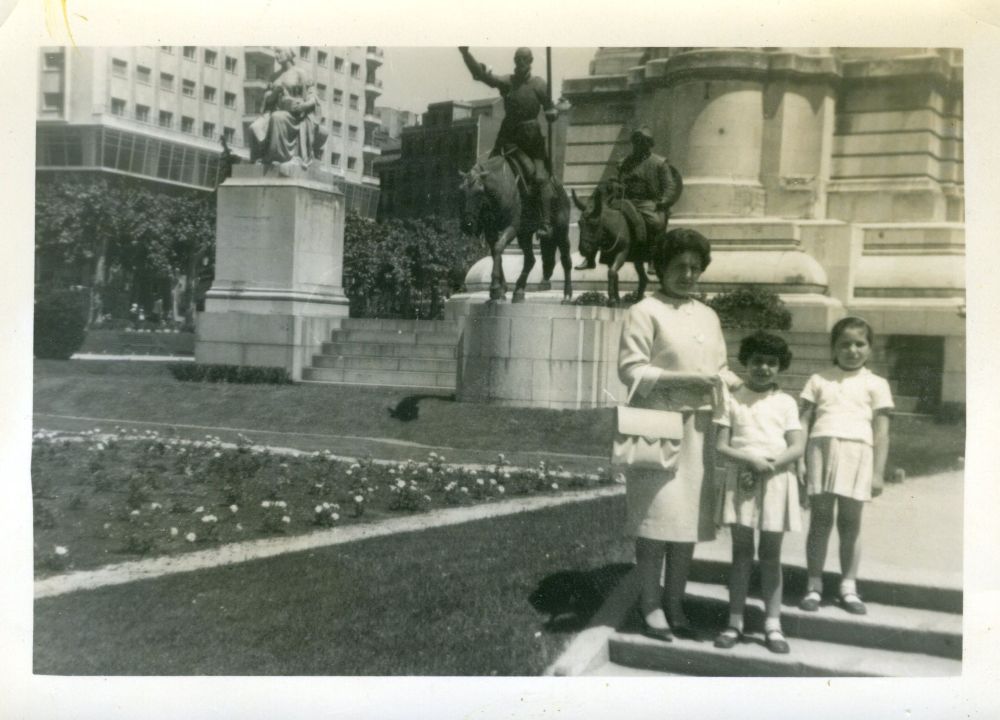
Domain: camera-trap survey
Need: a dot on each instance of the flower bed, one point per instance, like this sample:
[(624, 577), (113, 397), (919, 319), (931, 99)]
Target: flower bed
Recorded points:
[(104, 497)]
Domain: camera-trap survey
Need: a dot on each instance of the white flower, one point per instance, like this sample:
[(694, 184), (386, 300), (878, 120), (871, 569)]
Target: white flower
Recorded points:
[(217, 454), (400, 483), (200, 509), (191, 537), (359, 499), (134, 513), (209, 519), (285, 519), (233, 508), (173, 532), (60, 550), (266, 504), (479, 481), (600, 471), (107, 525), (318, 509), (334, 517), (239, 526), (500, 489), (280, 503), (464, 489), (155, 506), (555, 486)]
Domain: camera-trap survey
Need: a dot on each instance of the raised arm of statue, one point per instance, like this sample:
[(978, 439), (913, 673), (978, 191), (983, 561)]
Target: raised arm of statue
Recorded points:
[(477, 69)]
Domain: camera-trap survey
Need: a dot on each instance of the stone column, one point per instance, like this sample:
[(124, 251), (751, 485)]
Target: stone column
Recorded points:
[(279, 259)]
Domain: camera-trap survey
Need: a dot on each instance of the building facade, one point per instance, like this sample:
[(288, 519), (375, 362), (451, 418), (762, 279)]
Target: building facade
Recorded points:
[(159, 113), (424, 180)]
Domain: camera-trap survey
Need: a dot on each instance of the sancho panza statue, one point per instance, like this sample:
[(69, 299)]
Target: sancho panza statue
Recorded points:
[(289, 127)]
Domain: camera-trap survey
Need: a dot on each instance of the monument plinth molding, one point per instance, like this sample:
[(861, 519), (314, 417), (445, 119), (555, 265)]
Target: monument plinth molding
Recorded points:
[(278, 287)]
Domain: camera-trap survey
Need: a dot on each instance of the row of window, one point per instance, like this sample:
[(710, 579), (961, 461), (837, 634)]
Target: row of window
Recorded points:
[(322, 59), (190, 52), (165, 119), (188, 87), (338, 96)]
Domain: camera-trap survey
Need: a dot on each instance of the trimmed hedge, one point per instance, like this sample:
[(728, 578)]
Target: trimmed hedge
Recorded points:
[(751, 308), (242, 374), (60, 324)]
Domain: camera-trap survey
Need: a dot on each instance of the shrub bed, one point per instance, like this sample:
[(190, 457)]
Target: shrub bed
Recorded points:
[(243, 374)]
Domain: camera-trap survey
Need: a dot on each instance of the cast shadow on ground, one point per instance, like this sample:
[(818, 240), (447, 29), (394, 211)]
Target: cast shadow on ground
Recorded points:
[(571, 597), (408, 409)]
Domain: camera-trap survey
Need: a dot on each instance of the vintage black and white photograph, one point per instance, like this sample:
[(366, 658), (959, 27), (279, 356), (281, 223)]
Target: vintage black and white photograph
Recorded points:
[(621, 363)]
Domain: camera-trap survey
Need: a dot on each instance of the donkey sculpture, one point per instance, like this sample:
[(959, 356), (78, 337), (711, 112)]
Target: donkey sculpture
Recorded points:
[(611, 225), (495, 207)]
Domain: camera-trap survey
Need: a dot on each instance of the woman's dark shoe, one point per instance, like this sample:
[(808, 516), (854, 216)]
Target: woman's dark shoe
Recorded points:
[(685, 632), (776, 643), (811, 601), (851, 602), (728, 638), (663, 634)]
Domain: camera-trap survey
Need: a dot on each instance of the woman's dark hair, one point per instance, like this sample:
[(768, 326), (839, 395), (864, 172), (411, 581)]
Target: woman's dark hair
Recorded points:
[(679, 240), (847, 323), (765, 343)]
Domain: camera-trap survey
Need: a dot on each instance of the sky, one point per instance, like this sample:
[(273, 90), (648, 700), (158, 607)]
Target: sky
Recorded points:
[(413, 77)]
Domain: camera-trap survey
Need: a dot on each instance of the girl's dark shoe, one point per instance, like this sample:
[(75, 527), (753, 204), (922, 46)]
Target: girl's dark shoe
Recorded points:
[(776, 643), (727, 639), (851, 602), (811, 601)]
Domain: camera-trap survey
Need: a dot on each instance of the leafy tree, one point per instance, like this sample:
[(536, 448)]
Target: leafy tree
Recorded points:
[(404, 268), (120, 237)]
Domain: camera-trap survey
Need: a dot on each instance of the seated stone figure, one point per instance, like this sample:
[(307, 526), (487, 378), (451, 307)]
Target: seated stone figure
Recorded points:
[(289, 127)]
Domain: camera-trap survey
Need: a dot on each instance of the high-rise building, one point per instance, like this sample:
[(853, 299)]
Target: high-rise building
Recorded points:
[(160, 113)]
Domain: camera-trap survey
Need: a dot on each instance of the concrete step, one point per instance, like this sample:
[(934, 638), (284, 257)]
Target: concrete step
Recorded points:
[(911, 630), (366, 362), (371, 349), (382, 378), (899, 594), (399, 325), (397, 337), (808, 658)]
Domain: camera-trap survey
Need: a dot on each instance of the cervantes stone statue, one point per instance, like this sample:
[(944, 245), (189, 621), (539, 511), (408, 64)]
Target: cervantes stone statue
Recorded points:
[(289, 128)]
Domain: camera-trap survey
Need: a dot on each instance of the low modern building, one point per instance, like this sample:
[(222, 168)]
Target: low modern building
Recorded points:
[(159, 113)]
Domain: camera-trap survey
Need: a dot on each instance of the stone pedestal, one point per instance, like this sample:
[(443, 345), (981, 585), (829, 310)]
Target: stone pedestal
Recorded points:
[(540, 355), (279, 259)]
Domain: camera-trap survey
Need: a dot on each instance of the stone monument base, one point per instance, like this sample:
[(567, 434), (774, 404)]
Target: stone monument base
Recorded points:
[(277, 292), (540, 355)]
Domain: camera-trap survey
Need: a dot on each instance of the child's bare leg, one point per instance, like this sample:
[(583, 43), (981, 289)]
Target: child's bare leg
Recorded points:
[(849, 531), (678, 565), (820, 527), (739, 574), (770, 574), (649, 564)]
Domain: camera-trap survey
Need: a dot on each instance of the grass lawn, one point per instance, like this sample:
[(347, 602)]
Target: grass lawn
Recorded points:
[(447, 601), (308, 414)]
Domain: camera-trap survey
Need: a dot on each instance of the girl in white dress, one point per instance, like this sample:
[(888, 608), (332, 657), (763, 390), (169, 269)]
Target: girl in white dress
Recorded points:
[(846, 410), (759, 433)]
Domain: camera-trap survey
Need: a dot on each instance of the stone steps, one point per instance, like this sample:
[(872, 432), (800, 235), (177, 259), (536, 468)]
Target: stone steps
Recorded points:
[(808, 658), (388, 353), (381, 378)]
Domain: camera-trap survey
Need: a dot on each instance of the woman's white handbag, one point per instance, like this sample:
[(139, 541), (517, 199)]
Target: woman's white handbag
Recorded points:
[(646, 438)]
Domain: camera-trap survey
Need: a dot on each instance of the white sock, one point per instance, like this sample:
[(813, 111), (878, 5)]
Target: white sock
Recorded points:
[(772, 624), (848, 587), (815, 583), (736, 621)]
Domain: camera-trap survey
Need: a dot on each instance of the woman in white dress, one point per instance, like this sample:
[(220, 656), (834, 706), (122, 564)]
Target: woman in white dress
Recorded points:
[(672, 356)]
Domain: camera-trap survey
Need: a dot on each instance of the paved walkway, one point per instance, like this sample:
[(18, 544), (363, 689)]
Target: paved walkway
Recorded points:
[(911, 534)]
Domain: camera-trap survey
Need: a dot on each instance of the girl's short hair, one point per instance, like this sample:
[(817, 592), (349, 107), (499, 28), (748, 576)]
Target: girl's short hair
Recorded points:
[(848, 323), (679, 240), (765, 343)]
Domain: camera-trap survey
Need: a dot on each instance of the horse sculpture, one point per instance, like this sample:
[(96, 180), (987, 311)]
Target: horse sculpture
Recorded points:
[(611, 225), (494, 206)]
